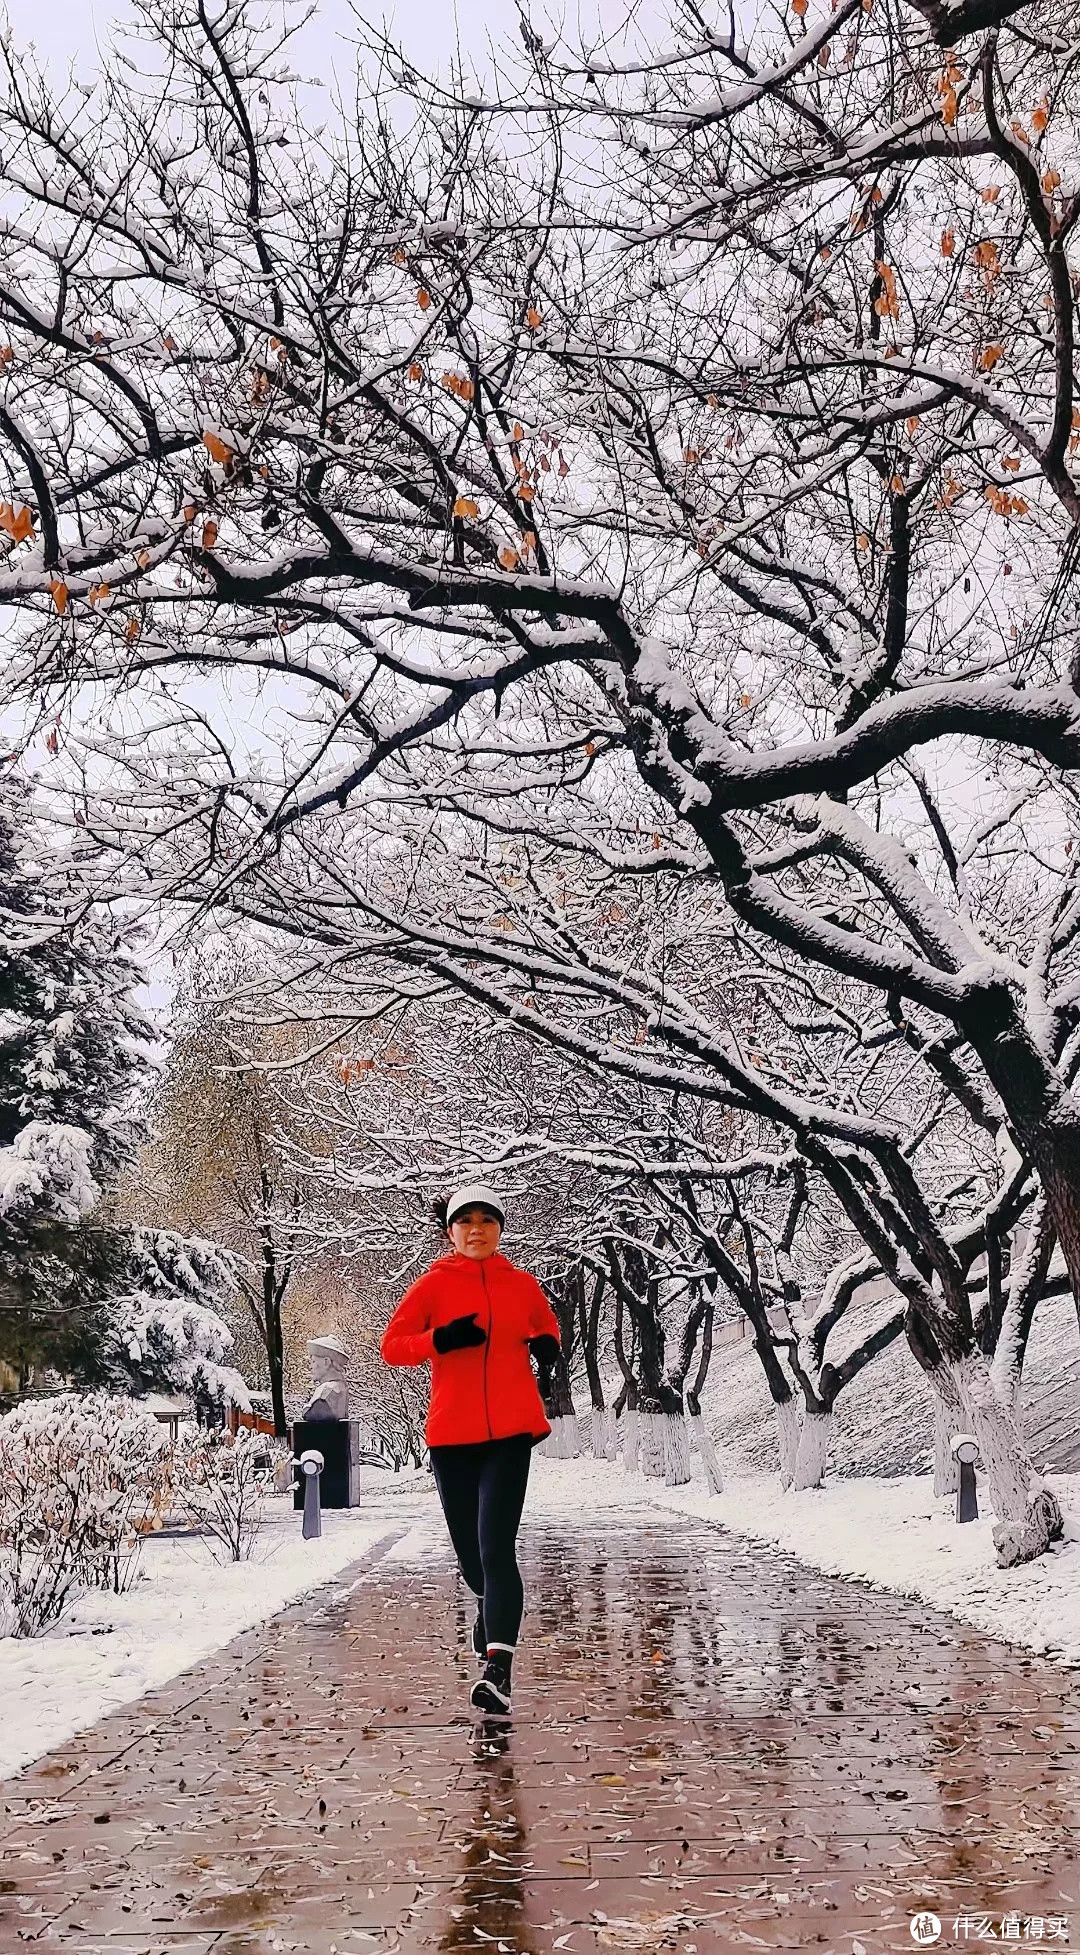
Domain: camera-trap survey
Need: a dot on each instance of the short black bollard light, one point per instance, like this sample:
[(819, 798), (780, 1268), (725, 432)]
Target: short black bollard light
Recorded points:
[(965, 1448), (311, 1465)]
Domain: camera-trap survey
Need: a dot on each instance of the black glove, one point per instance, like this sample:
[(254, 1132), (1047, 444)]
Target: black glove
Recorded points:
[(459, 1334), (545, 1349)]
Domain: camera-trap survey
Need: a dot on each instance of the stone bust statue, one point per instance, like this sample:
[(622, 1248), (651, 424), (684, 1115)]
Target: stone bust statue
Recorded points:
[(328, 1357)]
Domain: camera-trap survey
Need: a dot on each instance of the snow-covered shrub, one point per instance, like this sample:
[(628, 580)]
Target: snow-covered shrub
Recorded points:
[(81, 1481), (221, 1482)]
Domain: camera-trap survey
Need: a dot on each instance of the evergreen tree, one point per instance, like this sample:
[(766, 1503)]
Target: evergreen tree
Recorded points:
[(99, 1303)]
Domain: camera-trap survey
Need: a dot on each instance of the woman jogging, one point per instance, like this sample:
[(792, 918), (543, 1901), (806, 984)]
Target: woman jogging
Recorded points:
[(475, 1318)]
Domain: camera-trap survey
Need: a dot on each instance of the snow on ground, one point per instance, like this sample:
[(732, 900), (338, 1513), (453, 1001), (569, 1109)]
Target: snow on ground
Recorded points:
[(890, 1532), (111, 1649)]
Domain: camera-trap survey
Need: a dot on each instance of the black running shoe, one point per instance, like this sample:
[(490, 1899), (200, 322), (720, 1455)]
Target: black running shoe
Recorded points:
[(479, 1635), (491, 1692)]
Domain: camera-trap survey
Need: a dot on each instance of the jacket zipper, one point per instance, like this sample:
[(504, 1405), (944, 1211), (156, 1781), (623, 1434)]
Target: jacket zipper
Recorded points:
[(487, 1344)]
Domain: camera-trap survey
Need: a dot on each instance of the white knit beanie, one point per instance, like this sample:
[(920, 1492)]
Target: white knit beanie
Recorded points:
[(474, 1195)]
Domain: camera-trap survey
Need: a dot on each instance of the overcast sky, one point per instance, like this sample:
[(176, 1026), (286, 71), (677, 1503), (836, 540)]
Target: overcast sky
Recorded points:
[(66, 29)]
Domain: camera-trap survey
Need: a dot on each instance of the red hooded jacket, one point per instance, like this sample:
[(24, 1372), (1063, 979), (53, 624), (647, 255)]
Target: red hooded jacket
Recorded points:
[(486, 1391)]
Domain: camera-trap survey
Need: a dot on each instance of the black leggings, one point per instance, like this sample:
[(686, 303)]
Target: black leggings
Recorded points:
[(482, 1489)]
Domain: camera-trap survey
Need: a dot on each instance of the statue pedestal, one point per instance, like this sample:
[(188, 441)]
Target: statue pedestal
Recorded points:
[(338, 1440)]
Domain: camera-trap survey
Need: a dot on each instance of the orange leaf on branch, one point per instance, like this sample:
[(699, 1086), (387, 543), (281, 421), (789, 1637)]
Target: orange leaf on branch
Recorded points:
[(19, 523), (423, 298), (951, 491), (209, 535), (989, 357), (465, 507), (946, 89), (988, 261), (508, 557), (948, 243), (218, 450), (888, 305), (1003, 502), (533, 318), (59, 591)]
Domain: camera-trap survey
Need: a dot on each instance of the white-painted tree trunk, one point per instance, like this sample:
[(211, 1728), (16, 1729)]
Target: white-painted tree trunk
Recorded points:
[(815, 1438), (788, 1427), (631, 1441), (1028, 1515), (948, 1419), (652, 1445), (703, 1445), (569, 1436), (677, 1462), (603, 1432)]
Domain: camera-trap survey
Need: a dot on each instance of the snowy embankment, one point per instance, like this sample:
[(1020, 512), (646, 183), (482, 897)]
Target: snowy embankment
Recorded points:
[(884, 1419), (183, 1605), (889, 1532)]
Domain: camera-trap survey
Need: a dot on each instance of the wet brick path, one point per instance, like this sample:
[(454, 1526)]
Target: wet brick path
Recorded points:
[(713, 1748)]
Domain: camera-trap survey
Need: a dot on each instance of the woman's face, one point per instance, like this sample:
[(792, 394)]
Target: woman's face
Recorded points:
[(475, 1233)]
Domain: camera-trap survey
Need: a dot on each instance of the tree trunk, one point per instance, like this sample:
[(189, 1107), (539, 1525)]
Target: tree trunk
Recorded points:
[(788, 1427), (677, 1468), (1028, 1515), (1044, 1114), (589, 1334), (1059, 1172), (603, 1434), (651, 1428), (275, 1359), (563, 1441), (815, 1438), (631, 1436), (702, 1444), (948, 1420)]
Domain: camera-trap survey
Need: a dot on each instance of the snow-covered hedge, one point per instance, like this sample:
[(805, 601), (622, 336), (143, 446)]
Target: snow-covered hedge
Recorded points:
[(82, 1479)]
